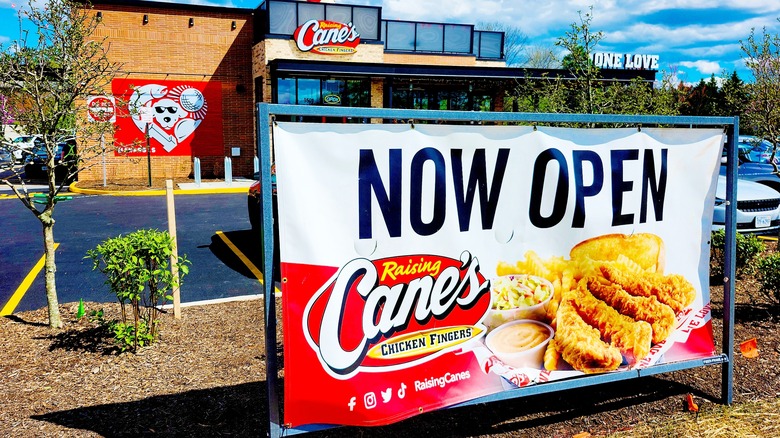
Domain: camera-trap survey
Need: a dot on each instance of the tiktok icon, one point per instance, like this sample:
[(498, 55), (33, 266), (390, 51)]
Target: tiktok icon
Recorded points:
[(402, 391)]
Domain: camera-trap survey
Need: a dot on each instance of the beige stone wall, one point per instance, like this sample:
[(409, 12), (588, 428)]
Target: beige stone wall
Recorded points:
[(286, 49), (432, 59)]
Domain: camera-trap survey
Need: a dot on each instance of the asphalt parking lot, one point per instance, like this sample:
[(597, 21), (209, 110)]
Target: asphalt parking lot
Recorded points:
[(213, 232)]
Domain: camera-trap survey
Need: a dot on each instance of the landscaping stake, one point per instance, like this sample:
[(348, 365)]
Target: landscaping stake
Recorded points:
[(175, 252)]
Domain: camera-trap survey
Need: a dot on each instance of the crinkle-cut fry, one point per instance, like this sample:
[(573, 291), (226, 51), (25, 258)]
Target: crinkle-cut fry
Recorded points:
[(556, 265), (580, 344), (536, 266), (567, 279), (629, 265), (585, 267), (552, 311), (551, 356), (504, 268), (659, 315), (552, 305), (673, 290), (633, 338)]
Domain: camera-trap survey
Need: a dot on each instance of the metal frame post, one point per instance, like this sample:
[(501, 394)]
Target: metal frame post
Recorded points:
[(266, 221)]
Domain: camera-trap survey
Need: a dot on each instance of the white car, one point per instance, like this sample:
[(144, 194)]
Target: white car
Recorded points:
[(758, 207), (23, 145)]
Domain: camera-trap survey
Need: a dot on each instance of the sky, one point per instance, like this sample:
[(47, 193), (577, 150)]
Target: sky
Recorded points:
[(693, 38)]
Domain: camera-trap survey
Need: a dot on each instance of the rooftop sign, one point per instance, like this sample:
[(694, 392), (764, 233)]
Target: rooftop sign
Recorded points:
[(628, 61), (327, 37)]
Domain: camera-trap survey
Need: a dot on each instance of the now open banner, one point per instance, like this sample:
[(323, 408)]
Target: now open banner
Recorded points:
[(397, 241)]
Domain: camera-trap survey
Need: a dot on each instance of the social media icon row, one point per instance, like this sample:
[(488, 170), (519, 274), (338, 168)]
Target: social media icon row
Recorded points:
[(370, 400)]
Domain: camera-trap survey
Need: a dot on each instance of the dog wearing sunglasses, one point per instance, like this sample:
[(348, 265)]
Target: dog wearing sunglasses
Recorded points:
[(172, 124)]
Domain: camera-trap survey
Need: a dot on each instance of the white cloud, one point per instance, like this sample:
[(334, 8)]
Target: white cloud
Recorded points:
[(705, 67)]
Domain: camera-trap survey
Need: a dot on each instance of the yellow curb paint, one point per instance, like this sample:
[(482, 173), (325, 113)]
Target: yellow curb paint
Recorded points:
[(215, 191), (248, 263), (10, 306), (767, 238)]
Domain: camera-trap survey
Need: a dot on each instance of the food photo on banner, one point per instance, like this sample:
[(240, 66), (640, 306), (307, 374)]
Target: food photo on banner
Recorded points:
[(428, 265), (187, 117)]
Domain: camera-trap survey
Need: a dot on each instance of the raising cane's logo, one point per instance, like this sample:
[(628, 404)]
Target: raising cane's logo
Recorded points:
[(386, 314), (327, 37)]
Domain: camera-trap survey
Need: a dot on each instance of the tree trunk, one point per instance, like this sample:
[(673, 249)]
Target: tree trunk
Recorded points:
[(50, 268)]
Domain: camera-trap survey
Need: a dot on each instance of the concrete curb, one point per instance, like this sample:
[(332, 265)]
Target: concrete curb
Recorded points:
[(74, 188)]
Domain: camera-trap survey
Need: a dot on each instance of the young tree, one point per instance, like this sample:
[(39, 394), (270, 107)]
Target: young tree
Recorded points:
[(48, 75), (761, 53), (580, 41)]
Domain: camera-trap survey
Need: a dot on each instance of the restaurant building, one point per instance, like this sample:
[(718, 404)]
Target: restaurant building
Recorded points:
[(192, 74)]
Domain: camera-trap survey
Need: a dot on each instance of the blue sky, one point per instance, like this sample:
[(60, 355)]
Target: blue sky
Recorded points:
[(694, 38)]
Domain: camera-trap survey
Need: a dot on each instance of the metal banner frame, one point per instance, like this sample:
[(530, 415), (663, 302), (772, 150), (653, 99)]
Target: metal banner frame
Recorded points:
[(266, 114)]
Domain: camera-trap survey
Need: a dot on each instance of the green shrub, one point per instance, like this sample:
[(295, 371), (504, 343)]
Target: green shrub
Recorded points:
[(137, 270), (749, 247), (769, 276)]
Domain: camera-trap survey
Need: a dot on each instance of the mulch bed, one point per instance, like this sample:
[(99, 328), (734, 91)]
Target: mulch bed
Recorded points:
[(206, 377)]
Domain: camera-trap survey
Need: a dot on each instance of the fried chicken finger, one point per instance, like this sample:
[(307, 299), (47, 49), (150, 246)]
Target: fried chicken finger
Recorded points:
[(659, 315), (633, 338), (580, 344)]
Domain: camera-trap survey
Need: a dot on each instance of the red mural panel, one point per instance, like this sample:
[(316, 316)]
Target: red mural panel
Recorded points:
[(186, 117)]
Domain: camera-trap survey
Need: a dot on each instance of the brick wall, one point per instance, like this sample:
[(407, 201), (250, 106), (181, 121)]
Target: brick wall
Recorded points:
[(167, 48)]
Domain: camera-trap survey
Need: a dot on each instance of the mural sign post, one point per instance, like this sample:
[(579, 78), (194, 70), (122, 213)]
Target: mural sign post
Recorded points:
[(102, 109), (146, 117)]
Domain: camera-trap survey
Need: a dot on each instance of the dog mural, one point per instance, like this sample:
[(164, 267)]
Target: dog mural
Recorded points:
[(177, 112)]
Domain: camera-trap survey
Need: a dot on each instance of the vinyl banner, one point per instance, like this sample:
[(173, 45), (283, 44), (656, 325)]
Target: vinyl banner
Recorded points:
[(186, 117), (427, 265)]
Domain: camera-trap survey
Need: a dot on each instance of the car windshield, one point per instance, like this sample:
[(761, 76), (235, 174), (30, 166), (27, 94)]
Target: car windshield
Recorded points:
[(22, 139), (756, 150)]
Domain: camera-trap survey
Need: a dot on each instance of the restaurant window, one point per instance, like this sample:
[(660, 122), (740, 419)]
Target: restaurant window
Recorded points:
[(483, 102), (457, 38), (310, 11), (285, 90), (358, 93), (331, 92), (400, 36), (309, 92), (283, 17), (430, 37), (366, 21), (488, 44), (453, 100), (339, 14)]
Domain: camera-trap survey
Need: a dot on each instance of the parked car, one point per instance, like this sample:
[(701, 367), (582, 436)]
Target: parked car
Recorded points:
[(22, 146), (253, 208), (756, 150), (65, 159), (758, 207), (5, 155), (749, 170)]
